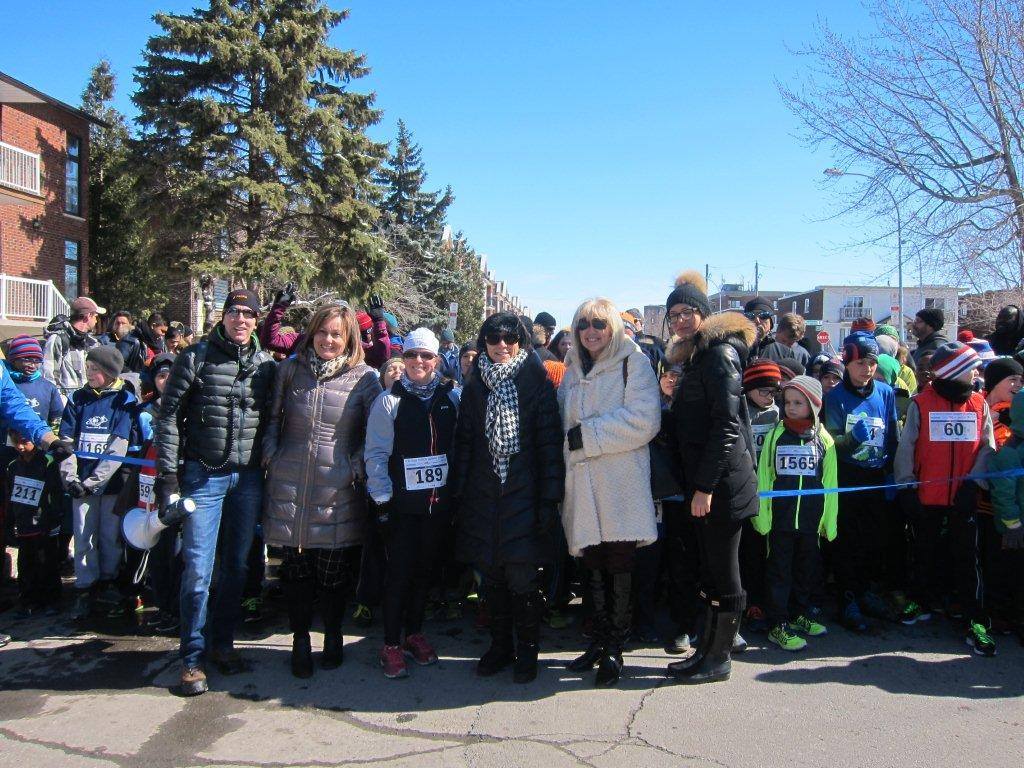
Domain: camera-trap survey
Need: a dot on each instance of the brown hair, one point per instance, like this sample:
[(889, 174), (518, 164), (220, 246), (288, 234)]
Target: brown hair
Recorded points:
[(353, 346), (793, 322)]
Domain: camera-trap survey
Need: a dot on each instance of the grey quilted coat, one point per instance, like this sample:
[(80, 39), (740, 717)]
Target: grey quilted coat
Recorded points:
[(315, 495)]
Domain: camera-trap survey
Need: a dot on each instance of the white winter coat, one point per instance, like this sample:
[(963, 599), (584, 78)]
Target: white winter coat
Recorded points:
[(608, 482)]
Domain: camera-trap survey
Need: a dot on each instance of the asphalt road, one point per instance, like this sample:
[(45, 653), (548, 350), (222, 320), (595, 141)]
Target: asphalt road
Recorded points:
[(904, 696)]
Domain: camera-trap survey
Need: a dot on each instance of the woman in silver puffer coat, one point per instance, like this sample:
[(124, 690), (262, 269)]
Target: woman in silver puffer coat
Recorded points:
[(315, 502)]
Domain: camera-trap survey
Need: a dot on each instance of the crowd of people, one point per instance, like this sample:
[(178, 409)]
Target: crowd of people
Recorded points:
[(726, 479)]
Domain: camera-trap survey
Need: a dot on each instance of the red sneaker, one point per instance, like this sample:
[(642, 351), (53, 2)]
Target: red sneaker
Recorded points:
[(417, 647), (393, 662)]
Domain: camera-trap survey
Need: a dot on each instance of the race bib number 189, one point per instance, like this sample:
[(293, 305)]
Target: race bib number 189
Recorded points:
[(426, 472)]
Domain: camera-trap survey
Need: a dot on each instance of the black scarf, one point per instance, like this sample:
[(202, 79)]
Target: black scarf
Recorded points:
[(955, 390), (864, 392)]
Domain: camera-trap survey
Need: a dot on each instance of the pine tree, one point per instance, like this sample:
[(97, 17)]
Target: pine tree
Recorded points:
[(402, 178), (256, 161), (121, 273)]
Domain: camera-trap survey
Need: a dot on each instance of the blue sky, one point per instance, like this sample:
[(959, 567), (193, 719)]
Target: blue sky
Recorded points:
[(595, 148)]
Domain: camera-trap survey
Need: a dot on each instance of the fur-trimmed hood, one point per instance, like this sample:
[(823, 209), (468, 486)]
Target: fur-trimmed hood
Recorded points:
[(731, 327)]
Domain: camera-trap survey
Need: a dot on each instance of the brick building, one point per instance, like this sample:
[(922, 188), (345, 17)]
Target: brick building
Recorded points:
[(44, 205)]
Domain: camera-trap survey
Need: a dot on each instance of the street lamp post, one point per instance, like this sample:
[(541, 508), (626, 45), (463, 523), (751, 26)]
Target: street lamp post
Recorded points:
[(899, 239)]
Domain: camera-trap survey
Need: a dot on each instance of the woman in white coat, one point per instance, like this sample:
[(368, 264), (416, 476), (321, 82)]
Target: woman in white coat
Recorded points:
[(611, 410)]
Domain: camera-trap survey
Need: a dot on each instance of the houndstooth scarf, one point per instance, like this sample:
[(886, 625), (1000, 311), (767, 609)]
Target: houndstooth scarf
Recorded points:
[(325, 369), (501, 422)]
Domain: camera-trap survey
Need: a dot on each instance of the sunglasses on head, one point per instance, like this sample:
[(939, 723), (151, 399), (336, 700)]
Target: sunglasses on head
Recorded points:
[(421, 354), (597, 324), (496, 338)]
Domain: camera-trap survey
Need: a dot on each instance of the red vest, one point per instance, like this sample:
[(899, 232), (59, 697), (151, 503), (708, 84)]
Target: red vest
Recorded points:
[(147, 476), (948, 438)]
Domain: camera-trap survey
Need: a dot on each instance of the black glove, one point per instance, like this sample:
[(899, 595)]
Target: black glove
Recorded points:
[(165, 486), (575, 436), (965, 502), (76, 490), (1014, 538), (382, 513), (171, 514), (286, 296), (375, 308), (547, 518), (61, 449)]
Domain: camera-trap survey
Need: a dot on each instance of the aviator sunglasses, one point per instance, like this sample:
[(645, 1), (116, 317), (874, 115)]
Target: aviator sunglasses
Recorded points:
[(597, 324)]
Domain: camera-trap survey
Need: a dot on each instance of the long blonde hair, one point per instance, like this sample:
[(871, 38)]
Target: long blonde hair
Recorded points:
[(601, 309), (353, 343)]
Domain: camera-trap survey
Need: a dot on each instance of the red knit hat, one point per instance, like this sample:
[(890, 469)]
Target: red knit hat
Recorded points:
[(862, 324), (556, 372), (761, 373), (966, 336), (24, 348), (364, 320)]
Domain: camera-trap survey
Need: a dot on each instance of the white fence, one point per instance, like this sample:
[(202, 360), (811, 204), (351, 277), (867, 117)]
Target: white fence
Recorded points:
[(19, 169), (26, 299)]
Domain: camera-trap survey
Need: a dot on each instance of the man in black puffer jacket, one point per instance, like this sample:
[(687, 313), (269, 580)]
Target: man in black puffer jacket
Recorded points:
[(212, 415)]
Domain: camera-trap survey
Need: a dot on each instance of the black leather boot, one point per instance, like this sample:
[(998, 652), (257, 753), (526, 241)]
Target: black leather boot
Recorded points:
[(300, 618), (333, 610), (527, 610), (620, 614), (501, 653), (703, 640), (598, 623), (716, 664)]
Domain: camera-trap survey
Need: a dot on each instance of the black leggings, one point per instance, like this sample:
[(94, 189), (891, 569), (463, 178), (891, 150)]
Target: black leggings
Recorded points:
[(413, 544), (719, 542), (610, 556)]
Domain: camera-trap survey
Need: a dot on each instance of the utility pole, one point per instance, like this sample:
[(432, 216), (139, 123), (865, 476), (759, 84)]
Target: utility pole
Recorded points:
[(757, 278)]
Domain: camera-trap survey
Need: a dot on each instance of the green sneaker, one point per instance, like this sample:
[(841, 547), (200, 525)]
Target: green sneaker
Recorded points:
[(362, 615), (980, 640), (786, 640), (557, 620), (806, 626), (913, 613)]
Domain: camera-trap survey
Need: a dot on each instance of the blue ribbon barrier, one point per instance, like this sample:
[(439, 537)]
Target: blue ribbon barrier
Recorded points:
[(1018, 472), (122, 459)]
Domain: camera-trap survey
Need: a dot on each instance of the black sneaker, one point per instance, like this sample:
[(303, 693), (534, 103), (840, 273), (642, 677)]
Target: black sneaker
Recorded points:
[(164, 623), (83, 606), (980, 640)]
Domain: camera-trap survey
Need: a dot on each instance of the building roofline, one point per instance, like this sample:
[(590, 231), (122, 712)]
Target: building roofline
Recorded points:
[(41, 97), (906, 288)]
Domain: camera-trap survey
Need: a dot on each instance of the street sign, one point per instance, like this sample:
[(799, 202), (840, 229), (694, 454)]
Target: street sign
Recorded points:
[(823, 337), (453, 315)]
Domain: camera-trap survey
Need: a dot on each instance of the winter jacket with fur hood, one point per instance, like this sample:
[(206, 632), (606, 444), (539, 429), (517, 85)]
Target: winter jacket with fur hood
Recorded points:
[(712, 424), (608, 481)]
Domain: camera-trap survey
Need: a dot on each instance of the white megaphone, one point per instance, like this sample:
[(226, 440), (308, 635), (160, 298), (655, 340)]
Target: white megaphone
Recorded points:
[(142, 529)]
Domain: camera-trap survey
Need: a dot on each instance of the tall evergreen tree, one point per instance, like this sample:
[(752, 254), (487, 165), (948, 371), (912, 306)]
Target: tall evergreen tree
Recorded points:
[(405, 201), (121, 273), (257, 164)]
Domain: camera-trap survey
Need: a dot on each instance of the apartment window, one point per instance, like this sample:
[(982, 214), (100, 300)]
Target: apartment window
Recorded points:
[(735, 304), (794, 307), (72, 177), (807, 306), (854, 301), (72, 268), (935, 303)]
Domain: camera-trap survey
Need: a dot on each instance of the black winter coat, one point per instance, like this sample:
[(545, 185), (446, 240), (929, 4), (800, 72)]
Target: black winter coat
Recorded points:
[(216, 414), (716, 449), (497, 523)]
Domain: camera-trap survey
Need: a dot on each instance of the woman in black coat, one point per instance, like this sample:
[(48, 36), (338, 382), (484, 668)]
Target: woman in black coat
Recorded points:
[(508, 477), (717, 461)]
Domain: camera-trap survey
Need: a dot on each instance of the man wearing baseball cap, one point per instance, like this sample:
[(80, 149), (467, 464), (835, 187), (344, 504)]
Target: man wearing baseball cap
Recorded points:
[(208, 434), (68, 340)]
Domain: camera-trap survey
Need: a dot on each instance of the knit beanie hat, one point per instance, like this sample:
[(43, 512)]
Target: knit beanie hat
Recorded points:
[(810, 388), (547, 320), (966, 336), (759, 304), (984, 350), (887, 330), (890, 368), (24, 348), (163, 360), (863, 324), (244, 298), (887, 345), (691, 290), (859, 345), (790, 367), (999, 369), (447, 336), (364, 320), (555, 371), (954, 359), (108, 359), (422, 339), (392, 322), (832, 366), (932, 316), (761, 373)]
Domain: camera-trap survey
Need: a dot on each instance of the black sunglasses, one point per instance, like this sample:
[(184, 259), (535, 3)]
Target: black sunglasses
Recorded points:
[(762, 315), (597, 324), (496, 338)]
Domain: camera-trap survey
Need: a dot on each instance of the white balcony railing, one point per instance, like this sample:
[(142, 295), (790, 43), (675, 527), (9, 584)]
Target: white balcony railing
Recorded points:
[(849, 314), (25, 299), (19, 169)]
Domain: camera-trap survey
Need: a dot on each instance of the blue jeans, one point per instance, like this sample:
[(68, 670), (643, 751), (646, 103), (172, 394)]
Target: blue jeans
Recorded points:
[(241, 494)]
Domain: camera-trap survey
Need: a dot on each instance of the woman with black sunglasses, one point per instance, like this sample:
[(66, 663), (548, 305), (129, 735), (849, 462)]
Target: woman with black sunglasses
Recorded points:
[(611, 410), (508, 479), (718, 465)]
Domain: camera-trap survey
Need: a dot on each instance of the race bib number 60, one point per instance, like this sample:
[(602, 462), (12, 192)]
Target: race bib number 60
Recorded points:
[(952, 427), (426, 472)]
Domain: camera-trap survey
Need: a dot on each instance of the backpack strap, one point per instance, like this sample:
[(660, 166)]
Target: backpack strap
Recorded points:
[(625, 370)]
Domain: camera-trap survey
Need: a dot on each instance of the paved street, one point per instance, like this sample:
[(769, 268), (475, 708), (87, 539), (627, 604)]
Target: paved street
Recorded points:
[(904, 697)]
